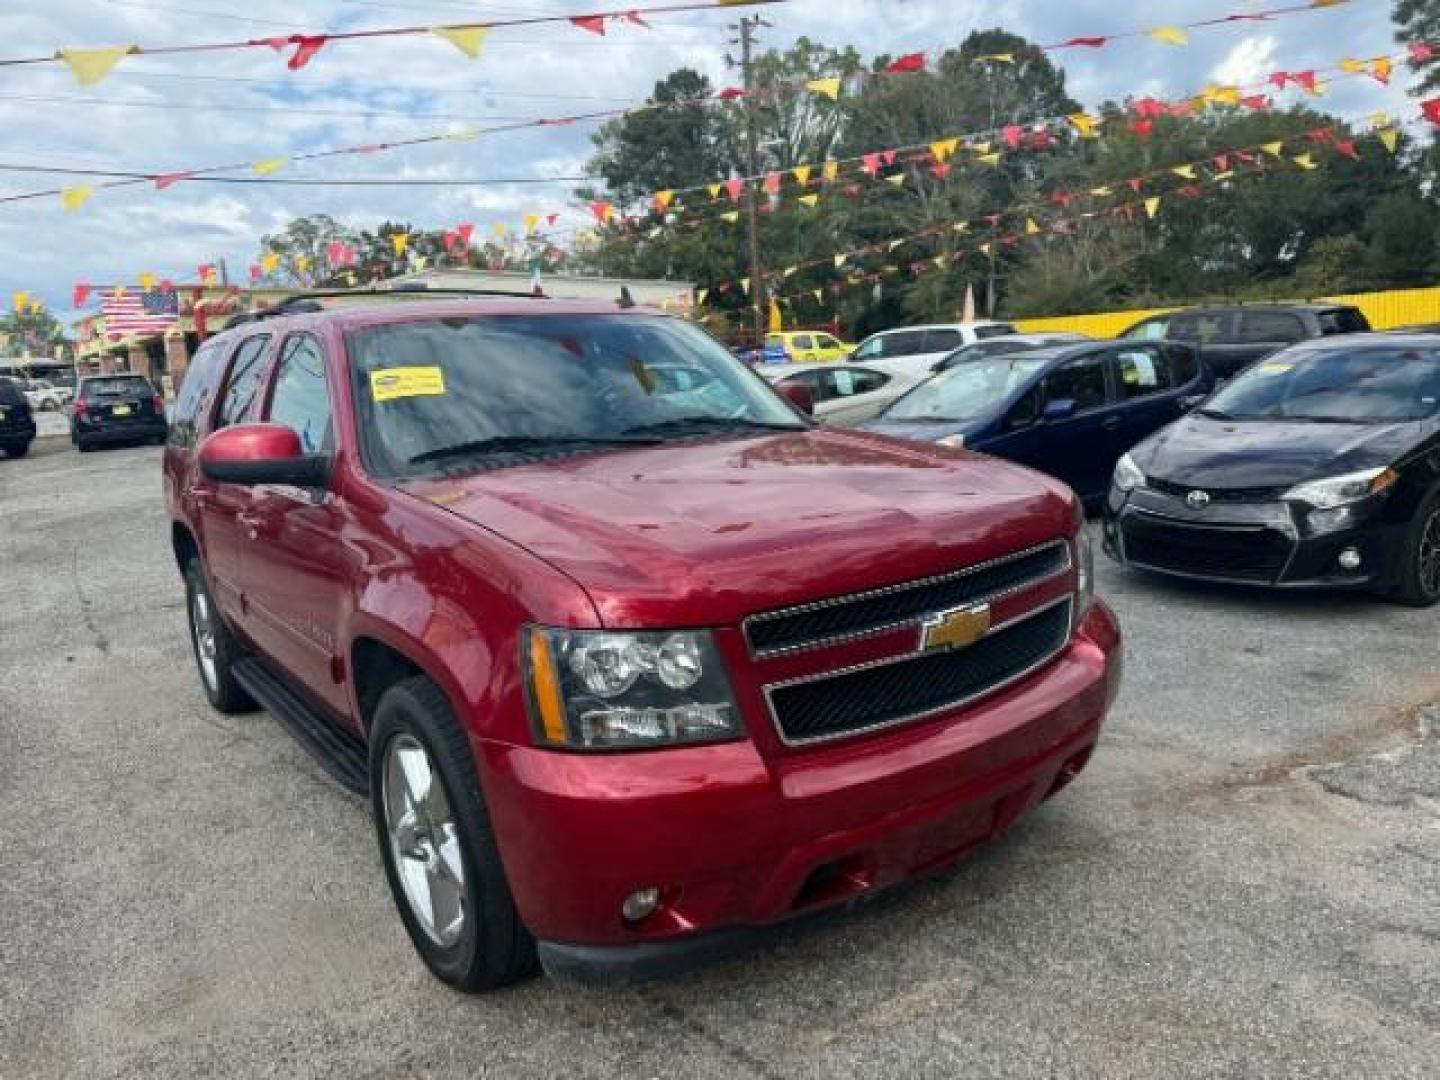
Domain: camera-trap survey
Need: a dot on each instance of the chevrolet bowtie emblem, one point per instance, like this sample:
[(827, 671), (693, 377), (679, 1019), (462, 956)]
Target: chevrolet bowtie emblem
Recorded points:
[(957, 629)]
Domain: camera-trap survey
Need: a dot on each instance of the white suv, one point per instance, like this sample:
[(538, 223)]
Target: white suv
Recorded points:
[(916, 350)]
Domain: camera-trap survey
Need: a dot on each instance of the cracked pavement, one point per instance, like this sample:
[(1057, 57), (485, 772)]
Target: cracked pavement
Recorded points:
[(1242, 883)]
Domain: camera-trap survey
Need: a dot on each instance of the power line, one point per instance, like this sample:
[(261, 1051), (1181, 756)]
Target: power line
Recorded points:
[(449, 181)]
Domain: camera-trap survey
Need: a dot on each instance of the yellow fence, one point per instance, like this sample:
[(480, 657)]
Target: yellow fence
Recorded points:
[(1400, 307)]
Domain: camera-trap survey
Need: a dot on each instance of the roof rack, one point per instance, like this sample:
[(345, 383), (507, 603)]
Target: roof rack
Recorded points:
[(309, 301)]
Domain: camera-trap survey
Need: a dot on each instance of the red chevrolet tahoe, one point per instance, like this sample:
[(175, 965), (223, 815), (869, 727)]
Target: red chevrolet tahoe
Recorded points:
[(633, 660)]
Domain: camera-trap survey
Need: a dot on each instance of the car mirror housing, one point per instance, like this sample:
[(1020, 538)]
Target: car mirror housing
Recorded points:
[(798, 395), (252, 454), (1061, 409)]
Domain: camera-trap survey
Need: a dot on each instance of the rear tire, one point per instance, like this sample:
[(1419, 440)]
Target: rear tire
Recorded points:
[(1418, 582), (82, 446), (438, 845), (17, 450), (215, 647)]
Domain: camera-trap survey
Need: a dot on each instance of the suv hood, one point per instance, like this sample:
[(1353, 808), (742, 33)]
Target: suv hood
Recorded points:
[(1206, 452), (705, 533)]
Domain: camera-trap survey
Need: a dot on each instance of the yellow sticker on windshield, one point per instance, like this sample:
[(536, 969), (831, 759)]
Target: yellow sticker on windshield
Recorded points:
[(1274, 367), (392, 384)]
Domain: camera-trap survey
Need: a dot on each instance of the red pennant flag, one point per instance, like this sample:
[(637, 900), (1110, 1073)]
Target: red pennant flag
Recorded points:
[(871, 163), (1279, 79), (1431, 109), (205, 272), (1245, 156), (1085, 42), (908, 62), (450, 238), (166, 285), (1062, 198), (166, 179), (1136, 184), (306, 47), (1148, 108), (254, 272), (994, 220), (1190, 191), (1222, 162), (464, 231), (1420, 52), (735, 187), (79, 295), (1142, 128), (1347, 148), (1320, 135), (1305, 79), (1011, 133), (335, 253), (1181, 108), (1255, 101), (730, 93), (941, 169), (594, 23), (1040, 140), (772, 183), (634, 17), (602, 210), (551, 219), (888, 156)]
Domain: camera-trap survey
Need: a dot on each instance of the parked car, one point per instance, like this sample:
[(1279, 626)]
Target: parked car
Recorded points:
[(808, 346), (915, 350), (112, 409), (1230, 339), (17, 424), (628, 677), (1067, 410), (46, 396), (845, 395), (755, 355), (1319, 466), (1004, 346)]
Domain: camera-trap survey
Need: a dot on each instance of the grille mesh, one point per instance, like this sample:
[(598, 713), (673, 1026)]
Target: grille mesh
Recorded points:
[(887, 694), (1243, 555), (1217, 495), (868, 613)]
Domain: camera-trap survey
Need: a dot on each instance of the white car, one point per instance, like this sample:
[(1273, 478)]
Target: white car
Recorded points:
[(44, 395), (844, 394), (1010, 343), (915, 350)]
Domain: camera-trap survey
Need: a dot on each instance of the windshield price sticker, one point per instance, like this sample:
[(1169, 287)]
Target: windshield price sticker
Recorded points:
[(393, 384), (1274, 367)]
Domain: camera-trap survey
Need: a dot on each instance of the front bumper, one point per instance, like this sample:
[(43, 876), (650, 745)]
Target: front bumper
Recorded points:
[(739, 843), (1270, 544), (17, 432)]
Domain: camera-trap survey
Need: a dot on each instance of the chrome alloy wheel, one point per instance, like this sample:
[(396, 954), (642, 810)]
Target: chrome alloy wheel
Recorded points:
[(1430, 556), (424, 843), (202, 622)]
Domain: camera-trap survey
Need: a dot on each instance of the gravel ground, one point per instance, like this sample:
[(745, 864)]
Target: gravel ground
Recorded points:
[(1243, 883)]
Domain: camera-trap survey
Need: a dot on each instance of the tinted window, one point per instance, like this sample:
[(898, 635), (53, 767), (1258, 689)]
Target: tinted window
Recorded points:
[(1338, 386), (1141, 370), (197, 391), (994, 330), (244, 383), (116, 386), (825, 341), (905, 343), (804, 341), (10, 393), (943, 340), (1202, 329), (1149, 330), (1025, 411), (847, 382), (1269, 326), (1081, 381), (873, 349), (1346, 320), (809, 379), (1184, 368), (301, 401)]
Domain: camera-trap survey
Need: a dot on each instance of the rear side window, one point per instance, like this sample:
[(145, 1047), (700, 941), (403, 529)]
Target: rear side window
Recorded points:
[(943, 340), (1345, 320), (197, 391), (1184, 368), (1271, 326), (804, 341), (1081, 381), (1197, 328), (243, 385), (994, 330), (301, 400), (1141, 370), (847, 382)]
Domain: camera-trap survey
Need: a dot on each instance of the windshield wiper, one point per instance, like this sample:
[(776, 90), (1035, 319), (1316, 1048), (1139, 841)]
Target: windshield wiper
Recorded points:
[(701, 425), (522, 444), (1214, 414)]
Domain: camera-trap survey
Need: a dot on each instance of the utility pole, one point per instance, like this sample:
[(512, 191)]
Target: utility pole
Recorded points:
[(746, 29)]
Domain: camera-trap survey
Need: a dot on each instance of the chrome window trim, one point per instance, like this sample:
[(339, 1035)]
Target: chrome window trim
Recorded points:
[(1068, 601), (914, 620)]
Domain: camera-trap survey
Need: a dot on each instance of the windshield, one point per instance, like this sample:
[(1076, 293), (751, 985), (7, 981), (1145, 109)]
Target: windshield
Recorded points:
[(119, 386), (1361, 386), (968, 392), (469, 393)]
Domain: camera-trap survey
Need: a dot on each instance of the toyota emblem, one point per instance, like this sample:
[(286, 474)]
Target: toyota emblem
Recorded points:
[(1197, 500)]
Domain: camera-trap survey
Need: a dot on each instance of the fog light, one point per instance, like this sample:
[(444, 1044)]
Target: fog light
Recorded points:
[(1350, 559), (640, 905)]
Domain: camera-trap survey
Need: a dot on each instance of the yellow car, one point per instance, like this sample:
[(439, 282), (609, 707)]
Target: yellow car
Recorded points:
[(808, 346)]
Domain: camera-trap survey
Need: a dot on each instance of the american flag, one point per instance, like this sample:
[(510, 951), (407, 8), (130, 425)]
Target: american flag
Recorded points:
[(133, 311)]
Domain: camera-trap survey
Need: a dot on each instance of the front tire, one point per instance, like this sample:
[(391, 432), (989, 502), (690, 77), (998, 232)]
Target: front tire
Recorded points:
[(1418, 583), (17, 450), (438, 845), (216, 649)]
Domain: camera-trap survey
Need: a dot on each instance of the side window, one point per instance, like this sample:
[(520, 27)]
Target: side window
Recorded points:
[(865, 381), (301, 400), (197, 391), (872, 349), (244, 382), (1150, 330), (1081, 381), (1198, 329), (810, 379), (1184, 369), (943, 340), (1268, 326), (1346, 320), (1025, 411), (825, 341), (803, 341), (993, 330), (906, 343), (1140, 371)]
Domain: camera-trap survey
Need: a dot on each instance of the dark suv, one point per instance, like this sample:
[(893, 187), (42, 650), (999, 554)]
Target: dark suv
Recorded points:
[(632, 658), (116, 409), (1232, 338), (17, 424)]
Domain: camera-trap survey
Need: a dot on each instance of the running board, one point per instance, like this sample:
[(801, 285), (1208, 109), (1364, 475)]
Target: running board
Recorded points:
[(342, 755)]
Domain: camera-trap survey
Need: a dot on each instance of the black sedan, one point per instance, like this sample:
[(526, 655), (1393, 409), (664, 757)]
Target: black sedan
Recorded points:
[(1319, 466)]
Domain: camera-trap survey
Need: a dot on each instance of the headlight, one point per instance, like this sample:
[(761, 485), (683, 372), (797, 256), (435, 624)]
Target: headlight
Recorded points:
[(601, 690), (1336, 491), (954, 442), (1128, 475), (1085, 573)]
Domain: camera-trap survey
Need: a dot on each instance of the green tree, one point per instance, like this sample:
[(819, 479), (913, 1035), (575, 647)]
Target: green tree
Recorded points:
[(302, 247), (1418, 23), (31, 333), (797, 124), (1404, 232), (1334, 264)]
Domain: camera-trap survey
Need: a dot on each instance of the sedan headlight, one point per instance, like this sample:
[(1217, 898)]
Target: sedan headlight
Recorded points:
[(1128, 475), (605, 690), (1343, 490)]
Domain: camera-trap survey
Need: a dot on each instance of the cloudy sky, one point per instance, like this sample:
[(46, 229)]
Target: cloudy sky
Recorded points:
[(169, 113)]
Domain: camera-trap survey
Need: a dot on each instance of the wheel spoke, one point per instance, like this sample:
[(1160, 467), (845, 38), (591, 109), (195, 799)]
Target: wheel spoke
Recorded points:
[(415, 765), (447, 912), (449, 854)]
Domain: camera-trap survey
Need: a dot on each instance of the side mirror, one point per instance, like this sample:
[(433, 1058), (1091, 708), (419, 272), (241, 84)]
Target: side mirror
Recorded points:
[(798, 395), (262, 454), (1060, 409)]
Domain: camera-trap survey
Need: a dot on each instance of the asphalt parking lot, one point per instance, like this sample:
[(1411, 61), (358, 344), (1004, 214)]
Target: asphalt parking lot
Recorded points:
[(1243, 883)]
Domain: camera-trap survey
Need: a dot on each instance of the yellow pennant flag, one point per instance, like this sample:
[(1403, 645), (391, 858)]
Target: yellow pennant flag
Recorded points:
[(895, 244), (531, 222), (989, 159), (898, 179), (944, 149), (1030, 227), (745, 284), (731, 216), (810, 200), (1085, 124), (996, 58), (939, 262), (790, 271), (819, 295), (1390, 137), (269, 262), (840, 261), (466, 134), (1101, 192), (1274, 149), (801, 174), (981, 147), (962, 226), (400, 241), (986, 248), (1169, 35), (147, 281), (468, 39), (701, 295), (302, 263), (72, 198), (1152, 206), (498, 229), (89, 66), (1305, 161), (1185, 171), (831, 171), (714, 190), (266, 166), (21, 300), (826, 87), (663, 199), (1352, 67), (1381, 67), (1221, 95), (1226, 175)]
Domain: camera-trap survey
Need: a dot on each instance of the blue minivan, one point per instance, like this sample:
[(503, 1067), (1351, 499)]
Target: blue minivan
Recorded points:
[(1068, 410)]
